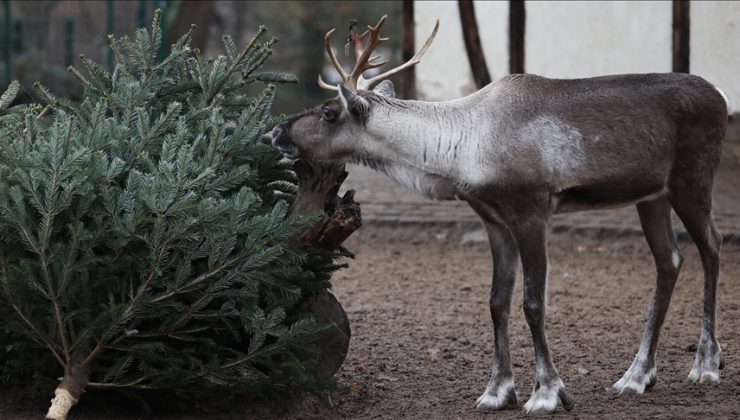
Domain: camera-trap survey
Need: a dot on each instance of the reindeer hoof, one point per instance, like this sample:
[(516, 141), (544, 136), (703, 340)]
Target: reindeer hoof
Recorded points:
[(545, 398), (707, 363), (498, 395), (635, 381)]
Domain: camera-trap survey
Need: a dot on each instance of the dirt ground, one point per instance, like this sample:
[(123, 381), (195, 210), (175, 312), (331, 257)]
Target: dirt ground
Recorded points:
[(422, 338), (417, 299)]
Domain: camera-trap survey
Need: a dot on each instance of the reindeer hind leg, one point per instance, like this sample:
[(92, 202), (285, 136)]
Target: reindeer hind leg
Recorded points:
[(691, 198), (696, 215), (655, 218)]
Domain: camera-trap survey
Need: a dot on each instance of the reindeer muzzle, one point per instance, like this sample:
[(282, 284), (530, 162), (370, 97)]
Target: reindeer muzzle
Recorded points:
[(282, 142)]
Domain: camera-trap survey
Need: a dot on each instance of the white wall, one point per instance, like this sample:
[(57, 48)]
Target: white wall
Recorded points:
[(715, 45), (594, 38), (444, 72), (579, 39)]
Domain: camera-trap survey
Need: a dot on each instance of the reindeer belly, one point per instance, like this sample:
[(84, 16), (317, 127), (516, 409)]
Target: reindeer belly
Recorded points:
[(606, 195)]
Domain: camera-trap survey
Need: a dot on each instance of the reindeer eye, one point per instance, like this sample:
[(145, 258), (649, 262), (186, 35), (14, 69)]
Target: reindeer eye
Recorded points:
[(328, 114)]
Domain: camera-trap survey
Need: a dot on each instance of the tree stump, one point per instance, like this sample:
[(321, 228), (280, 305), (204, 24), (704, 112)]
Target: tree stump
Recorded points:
[(318, 185)]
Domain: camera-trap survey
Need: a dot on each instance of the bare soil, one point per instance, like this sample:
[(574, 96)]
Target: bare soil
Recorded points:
[(422, 336), (421, 348)]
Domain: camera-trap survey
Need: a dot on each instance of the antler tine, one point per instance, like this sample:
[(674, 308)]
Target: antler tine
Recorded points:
[(379, 25), (324, 85), (364, 45), (359, 40), (371, 64), (368, 83), (362, 64), (329, 50)]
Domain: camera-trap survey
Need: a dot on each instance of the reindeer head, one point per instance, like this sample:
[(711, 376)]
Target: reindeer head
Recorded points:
[(334, 130)]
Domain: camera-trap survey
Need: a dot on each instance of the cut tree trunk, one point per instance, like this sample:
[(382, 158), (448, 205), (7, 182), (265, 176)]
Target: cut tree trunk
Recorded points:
[(318, 186), (69, 391), (333, 347)]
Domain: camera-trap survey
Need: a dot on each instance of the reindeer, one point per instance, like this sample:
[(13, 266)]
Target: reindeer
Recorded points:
[(524, 148)]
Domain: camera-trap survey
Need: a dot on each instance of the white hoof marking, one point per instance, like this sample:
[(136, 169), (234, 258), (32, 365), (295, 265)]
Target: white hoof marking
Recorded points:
[(706, 365), (703, 375), (709, 378), (496, 396), (635, 380), (544, 399)]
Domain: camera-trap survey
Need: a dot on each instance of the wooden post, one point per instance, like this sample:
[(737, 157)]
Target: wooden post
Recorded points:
[(199, 13), (6, 44), (517, 22), (111, 29), (681, 39), (472, 44), (408, 77), (141, 12), (69, 41)]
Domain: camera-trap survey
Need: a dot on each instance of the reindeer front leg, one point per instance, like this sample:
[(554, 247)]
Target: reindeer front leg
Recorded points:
[(531, 236), (500, 390)]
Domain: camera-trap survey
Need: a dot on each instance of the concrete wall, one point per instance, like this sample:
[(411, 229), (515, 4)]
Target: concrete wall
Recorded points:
[(444, 72), (589, 38), (715, 45), (580, 39)]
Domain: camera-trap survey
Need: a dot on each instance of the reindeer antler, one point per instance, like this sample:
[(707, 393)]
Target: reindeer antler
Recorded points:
[(364, 45)]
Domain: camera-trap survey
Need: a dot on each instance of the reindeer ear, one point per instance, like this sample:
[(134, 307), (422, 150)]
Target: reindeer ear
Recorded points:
[(385, 88), (355, 104)]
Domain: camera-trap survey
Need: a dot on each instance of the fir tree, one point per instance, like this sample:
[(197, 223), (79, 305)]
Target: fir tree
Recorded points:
[(145, 234)]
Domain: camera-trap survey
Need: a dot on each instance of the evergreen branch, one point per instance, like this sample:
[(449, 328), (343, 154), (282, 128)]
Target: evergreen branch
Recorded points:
[(99, 76), (43, 111), (156, 35), (126, 314), (252, 114), (180, 88), (130, 385), (48, 344), (180, 49), (276, 77), (58, 103), (113, 43), (200, 279), (234, 65), (205, 295), (74, 72), (154, 204), (9, 95), (47, 223), (167, 333)]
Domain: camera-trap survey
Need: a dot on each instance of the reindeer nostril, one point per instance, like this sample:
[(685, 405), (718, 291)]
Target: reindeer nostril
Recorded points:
[(279, 135), (277, 132), (282, 142)]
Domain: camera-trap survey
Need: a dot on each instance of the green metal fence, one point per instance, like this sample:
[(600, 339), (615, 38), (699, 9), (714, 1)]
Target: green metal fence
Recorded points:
[(39, 40)]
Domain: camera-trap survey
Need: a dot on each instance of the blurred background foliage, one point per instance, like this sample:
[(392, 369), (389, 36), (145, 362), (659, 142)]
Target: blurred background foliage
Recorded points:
[(40, 39)]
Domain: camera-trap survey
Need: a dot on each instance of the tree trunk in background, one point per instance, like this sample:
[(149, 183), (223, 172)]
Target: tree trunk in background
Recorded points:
[(472, 44), (240, 9), (199, 13), (408, 77), (517, 22), (681, 36)]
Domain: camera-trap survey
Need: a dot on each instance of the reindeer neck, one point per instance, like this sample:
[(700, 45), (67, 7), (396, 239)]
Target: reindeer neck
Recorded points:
[(429, 136), (421, 145)]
